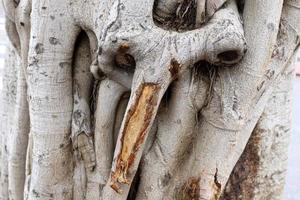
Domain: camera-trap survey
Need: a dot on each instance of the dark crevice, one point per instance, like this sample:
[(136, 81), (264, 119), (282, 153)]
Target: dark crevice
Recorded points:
[(81, 38), (241, 4), (184, 17), (228, 56), (16, 2), (209, 73), (124, 60), (167, 96), (135, 185)]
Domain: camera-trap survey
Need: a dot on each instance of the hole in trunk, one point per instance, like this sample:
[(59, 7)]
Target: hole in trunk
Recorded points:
[(228, 56), (125, 61)]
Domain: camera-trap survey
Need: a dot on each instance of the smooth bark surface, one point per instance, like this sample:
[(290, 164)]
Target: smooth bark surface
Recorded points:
[(181, 87)]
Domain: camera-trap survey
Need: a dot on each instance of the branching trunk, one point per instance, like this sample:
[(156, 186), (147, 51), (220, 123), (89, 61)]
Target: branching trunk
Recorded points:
[(177, 99)]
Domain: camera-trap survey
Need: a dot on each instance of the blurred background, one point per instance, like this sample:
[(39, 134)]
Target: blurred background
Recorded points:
[(292, 188)]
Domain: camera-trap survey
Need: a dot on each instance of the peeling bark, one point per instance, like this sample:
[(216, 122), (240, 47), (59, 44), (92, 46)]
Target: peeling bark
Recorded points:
[(136, 125)]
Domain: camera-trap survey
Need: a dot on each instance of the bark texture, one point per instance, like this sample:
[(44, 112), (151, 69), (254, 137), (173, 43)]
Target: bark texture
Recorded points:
[(8, 104), (260, 171), (176, 99)]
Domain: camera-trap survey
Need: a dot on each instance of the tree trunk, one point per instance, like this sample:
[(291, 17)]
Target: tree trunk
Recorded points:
[(176, 96), (260, 171)]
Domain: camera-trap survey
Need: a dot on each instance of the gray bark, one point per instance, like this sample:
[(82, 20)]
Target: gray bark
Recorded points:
[(176, 100)]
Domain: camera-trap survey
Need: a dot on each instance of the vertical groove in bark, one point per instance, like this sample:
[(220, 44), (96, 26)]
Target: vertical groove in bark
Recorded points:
[(28, 170), (18, 30), (18, 140), (109, 95), (84, 154)]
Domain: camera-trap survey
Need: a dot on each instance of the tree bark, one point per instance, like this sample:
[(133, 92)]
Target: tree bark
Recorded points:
[(8, 104), (261, 170), (170, 116)]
